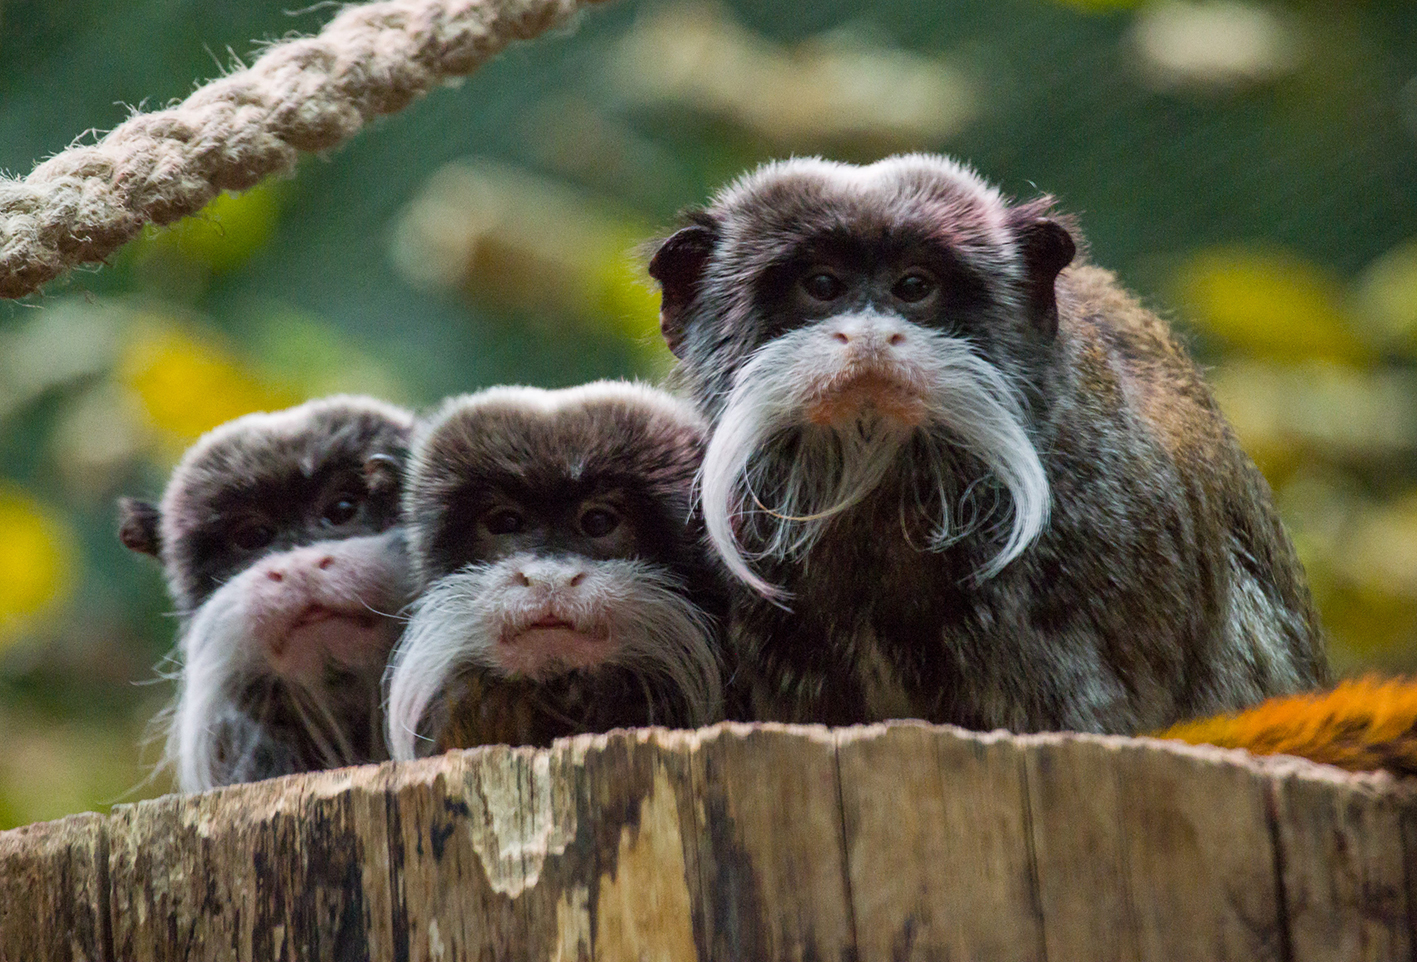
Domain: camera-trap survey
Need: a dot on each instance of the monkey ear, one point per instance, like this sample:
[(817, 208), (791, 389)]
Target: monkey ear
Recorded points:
[(1047, 248), (678, 265), (138, 525), (383, 472)]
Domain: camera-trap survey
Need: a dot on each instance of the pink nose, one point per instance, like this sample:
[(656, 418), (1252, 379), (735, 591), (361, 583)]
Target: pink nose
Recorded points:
[(298, 562), (867, 335), (548, 578)]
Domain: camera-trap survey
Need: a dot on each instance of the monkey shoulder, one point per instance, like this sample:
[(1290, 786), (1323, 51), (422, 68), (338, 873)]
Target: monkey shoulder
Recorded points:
[(1124, 357), (1141, 440)]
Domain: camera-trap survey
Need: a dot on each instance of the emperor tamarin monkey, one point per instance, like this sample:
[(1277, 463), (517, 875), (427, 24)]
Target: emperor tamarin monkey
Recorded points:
[(566, 586), (279, 538), (957, 478)]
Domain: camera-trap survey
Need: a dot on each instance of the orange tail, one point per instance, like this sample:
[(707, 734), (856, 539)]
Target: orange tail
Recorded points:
[(1365, 725)]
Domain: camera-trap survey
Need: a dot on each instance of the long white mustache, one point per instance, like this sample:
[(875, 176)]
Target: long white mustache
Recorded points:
[(971, 408), (458, 621)]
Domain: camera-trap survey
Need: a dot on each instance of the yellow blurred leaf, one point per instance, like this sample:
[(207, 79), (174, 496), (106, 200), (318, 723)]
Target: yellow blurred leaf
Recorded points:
[(1365, 621), (833, 91), (1269, 304), (189, 384), (1381, 550), (318, 358), (37, 562), (1386, 296), (1361, 558), (53, 767), (1287, 413), (224, 234), (97, 435), (515, 240), (1214, 44), (628, 304)]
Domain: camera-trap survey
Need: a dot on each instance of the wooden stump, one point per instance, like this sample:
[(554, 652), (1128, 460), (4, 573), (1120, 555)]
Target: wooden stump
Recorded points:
[(738, 842)]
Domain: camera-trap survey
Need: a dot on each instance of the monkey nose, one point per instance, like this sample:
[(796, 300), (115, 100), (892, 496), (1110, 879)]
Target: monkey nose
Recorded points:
[(548, 578), (867, 335)]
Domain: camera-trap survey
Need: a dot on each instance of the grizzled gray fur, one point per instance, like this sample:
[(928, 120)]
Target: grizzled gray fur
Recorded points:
[(959, 476), (279, 536), (565, 584)]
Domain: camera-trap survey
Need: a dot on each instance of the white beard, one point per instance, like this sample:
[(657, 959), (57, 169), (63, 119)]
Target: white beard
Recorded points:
[(969, 407), (218, 728), (460, 619)]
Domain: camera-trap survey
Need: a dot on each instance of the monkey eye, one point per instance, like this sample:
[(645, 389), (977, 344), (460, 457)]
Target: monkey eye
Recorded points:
[(252, 534), (823, 286), (598, 522), (504, 521), (914, 287), (341, 510)]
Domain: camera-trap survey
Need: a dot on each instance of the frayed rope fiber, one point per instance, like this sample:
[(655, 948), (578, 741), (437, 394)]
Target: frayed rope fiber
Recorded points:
[(306, 94)]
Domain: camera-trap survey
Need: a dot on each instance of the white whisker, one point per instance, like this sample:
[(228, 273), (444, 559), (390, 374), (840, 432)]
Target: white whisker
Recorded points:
[(653, 629), (772, 481)]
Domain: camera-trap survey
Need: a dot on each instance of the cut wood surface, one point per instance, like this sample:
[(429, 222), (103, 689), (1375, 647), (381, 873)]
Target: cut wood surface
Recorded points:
[(742, 842)]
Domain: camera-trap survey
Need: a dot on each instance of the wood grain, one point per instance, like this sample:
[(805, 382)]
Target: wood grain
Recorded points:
[(53, 893), (938, 846), (1344, 879), (902, 842)]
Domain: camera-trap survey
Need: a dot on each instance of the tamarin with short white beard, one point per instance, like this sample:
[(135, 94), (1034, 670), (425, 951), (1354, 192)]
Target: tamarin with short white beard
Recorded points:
[(565, 584), (279, 536)]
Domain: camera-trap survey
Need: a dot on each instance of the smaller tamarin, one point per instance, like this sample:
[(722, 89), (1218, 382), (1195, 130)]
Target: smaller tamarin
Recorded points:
[(564, 584), (1363, 725), (958, 476), (279, 536)]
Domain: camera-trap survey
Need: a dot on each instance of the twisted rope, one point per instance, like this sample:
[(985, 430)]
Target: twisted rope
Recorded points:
[(307, 94)]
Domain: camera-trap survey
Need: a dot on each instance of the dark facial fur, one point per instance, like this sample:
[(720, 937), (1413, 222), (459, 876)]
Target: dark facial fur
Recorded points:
[(278, 536), (565, 587), (991, 488)]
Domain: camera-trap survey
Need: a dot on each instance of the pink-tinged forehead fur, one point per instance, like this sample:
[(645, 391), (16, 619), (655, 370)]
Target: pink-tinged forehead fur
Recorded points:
[(947, 198), (516, 429), (471, 428)]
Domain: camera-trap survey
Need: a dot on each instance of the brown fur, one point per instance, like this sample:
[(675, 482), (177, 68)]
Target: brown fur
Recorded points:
[(1161, 587), (548, 456), (258, 502)]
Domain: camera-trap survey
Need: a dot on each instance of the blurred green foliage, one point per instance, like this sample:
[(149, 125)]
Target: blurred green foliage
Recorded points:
[(1249, 168)]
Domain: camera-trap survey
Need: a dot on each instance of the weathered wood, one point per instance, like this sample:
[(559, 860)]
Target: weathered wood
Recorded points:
[(53, 892), (770, 854), (1344, 878), (1075, 814), (290, 868), (937, 839), (901, 841)]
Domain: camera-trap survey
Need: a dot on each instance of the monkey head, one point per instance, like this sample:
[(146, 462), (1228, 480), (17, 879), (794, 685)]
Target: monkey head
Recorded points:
[(564, 585), (278, 535), (844, 326)]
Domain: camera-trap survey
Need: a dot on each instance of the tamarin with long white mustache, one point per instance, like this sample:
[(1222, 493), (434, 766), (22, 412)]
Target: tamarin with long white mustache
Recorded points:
[(280, 540), (957, 475), (565, 585)]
